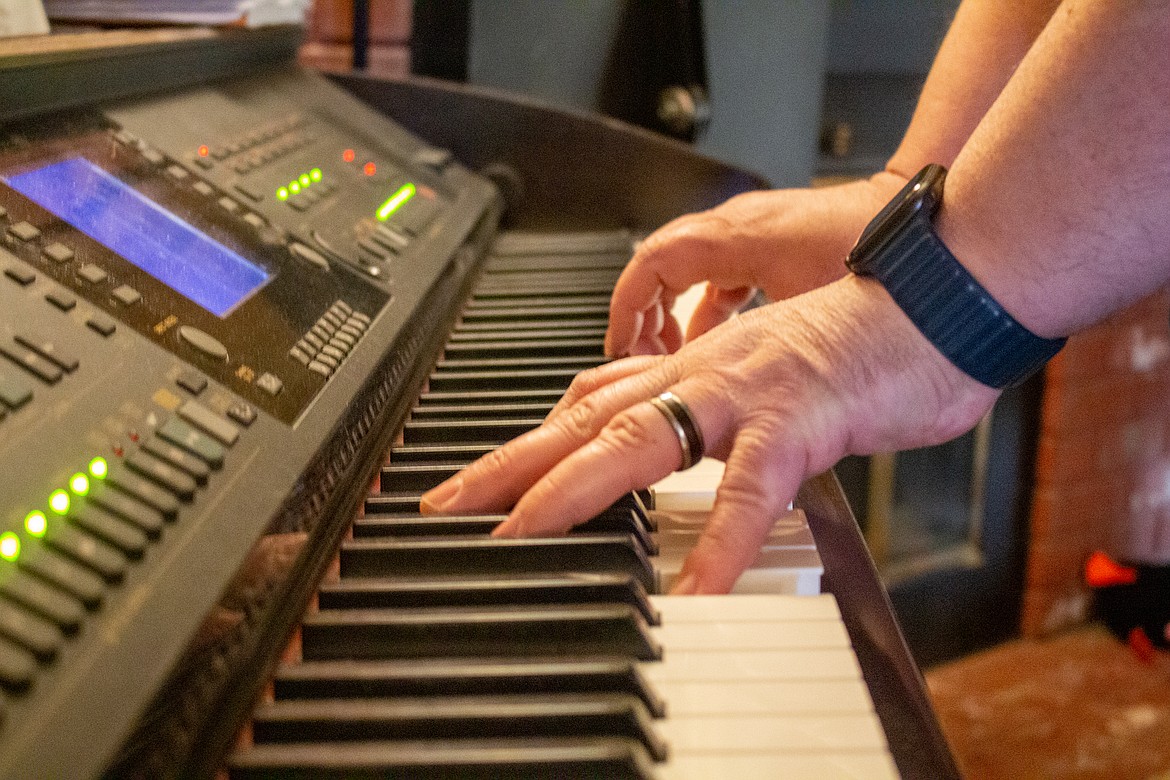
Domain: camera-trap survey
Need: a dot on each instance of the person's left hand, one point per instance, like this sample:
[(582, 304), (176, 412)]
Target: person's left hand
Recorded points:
[(781, 393)]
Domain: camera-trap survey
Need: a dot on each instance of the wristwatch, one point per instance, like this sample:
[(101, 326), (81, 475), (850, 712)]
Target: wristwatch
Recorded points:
[(957, 315)]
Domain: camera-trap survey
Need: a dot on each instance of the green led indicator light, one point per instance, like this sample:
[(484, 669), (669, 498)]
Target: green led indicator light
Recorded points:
[(282, 193), (79, 484), (294, 187), (9, 546), (59, 502), (99, 468), (315, 174), (36, 523), (396, 201), (305, 180)]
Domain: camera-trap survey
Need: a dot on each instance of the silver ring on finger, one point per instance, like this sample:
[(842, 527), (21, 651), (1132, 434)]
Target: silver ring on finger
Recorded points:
[(690, 436)]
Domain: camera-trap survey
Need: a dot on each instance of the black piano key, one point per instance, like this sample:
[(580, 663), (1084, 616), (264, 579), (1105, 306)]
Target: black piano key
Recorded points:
[(620, 520), (376, 526), (566, 280), (559, 759), (474, 397), (465, 677), (393, 504), (552, 259), (464, 431), (496, 286), (522, 313), (460, 454), (513, 244), (475, 555), (552, 311), (572, 588), (503, 411), (474, 338), (527, 363), (573, 298), (414, 477), (539, 379), (533, 329), (502, 349), (479, 632), (458, 717)]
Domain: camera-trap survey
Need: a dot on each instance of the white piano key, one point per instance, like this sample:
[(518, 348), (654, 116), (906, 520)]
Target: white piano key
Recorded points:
[(868, 765), (692, 490), (821, 663), (753, 636), (787, 563), (766, 697), (755, 609), (772, 733)]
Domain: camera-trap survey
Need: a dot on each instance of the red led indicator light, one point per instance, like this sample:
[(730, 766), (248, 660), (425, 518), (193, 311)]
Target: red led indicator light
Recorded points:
[(349, 155), (204, 151), (370, 169)]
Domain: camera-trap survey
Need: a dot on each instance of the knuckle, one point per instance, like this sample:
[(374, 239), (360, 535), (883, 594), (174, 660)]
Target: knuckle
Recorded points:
[(627, 430), (580, 419), (499, 460)]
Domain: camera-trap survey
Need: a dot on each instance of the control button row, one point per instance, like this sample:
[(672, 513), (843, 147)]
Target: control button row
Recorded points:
[(333, 336), (44, 594), (226, 202)]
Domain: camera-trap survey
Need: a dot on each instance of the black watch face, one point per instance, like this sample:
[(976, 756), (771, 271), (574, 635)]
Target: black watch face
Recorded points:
[(923, 191)]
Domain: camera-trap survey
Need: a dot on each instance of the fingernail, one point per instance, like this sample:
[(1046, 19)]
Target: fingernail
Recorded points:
[(438, 498), (685, 585)]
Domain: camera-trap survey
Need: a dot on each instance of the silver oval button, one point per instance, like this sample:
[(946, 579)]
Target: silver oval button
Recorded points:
[(206, 344)]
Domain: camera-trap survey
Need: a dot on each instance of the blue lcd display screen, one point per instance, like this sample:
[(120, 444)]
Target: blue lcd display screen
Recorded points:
[(152, 238)]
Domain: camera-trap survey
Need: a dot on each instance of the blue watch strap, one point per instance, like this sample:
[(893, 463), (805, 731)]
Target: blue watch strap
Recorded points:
[(954, 311)]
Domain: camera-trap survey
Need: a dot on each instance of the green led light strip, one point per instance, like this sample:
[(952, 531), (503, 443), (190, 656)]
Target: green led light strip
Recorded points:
[(302, 182), (396, 201), (36, 522)]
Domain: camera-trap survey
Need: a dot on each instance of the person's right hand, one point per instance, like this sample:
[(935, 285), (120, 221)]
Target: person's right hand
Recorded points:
[(783, 242)]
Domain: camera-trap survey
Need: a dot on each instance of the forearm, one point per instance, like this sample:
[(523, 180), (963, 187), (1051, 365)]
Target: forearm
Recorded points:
[(984, 45), (1057, 204)]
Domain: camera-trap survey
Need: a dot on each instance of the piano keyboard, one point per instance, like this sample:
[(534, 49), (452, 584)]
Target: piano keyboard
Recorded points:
[(440, 652)]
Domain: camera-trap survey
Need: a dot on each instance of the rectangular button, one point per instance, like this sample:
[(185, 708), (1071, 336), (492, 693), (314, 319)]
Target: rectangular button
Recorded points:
[(128, 538), (61, 299), (24, 231), (31, 361), (145, 491), (62, 572), (47, 601), (102, 324), (14, 393), (195, 442), (149, 520), (30, 631), (163, 473), (17, 666), (58, 252), (200, 416), (105, 561), (21, 275), (179, 458), (53, 351)]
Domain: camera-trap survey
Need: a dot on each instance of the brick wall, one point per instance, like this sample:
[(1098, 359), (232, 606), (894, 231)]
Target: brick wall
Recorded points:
[(1103, 460), (329, 37)]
